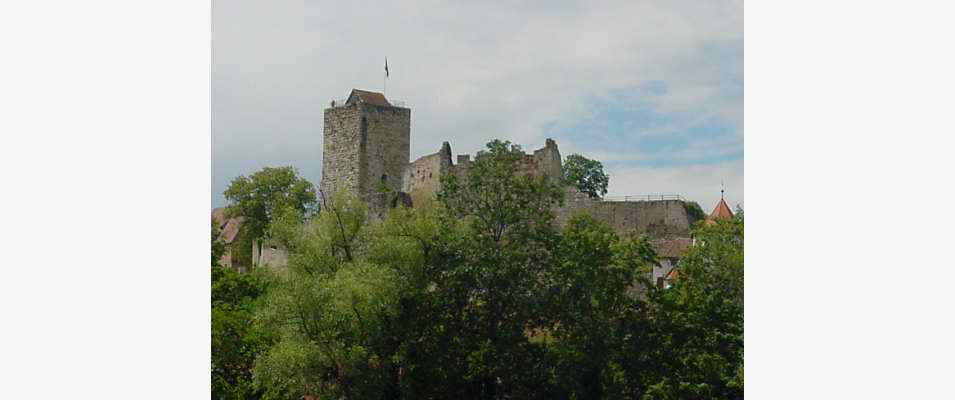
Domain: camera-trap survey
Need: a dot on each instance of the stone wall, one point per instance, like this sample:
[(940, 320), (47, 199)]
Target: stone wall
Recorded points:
[(546, 161), (422, 178), (659, 218), (379, 204), (273, 256), (387, 149), (342, 150)]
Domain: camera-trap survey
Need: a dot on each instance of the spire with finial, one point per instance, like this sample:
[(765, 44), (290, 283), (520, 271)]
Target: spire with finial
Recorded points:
[(721, 211)]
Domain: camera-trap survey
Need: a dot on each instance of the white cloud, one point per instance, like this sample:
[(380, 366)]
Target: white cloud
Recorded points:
[(700, 183), (470, 71)]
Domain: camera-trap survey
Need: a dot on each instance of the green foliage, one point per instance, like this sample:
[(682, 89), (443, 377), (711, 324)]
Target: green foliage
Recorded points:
[(329, 310), (586, 174), (694, 210), (479, 294), (496, 199), (218, 248), (235, 343), (264, 194), (698, 323), (596, 273)]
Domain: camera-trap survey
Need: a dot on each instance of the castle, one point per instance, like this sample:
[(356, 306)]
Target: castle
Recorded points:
[(366, 152)]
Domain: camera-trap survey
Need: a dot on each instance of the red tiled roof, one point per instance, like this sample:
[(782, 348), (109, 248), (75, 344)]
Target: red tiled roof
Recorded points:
[(673, 275), (365, 96), (722, 211)]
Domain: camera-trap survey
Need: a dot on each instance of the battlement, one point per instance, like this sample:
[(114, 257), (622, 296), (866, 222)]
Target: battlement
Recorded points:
[(644, 197), (339, 103), (423, 175)]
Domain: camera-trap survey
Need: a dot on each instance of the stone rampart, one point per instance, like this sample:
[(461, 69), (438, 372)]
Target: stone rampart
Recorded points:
[(658, 218), (422, 177)]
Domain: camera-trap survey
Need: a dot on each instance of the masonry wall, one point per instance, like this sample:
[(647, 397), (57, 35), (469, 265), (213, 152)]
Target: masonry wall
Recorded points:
[(273, 256), (547, 160), (659, 219), (387, 148), (342, 150), (422, 178)]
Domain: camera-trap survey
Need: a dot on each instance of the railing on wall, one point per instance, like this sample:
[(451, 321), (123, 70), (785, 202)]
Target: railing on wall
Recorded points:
[(645, 197), (335, 103)]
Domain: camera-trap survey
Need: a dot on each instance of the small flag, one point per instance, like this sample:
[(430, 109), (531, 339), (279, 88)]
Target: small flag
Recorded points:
[(386, 67)]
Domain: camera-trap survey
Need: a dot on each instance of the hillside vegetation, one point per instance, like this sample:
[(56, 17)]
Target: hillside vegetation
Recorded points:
[(478, 294)]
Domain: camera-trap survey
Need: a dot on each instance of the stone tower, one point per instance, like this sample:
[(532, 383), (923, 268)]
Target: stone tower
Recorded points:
[(367, 145)]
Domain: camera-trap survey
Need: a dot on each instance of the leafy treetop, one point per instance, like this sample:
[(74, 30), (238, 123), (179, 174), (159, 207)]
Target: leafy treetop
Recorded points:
[(586, 174), (266, 193)]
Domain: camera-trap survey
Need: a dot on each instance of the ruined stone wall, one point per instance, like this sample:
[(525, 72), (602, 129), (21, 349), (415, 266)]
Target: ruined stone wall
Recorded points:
[(547, 160), (342, 150), (422, 178), (273, 256)]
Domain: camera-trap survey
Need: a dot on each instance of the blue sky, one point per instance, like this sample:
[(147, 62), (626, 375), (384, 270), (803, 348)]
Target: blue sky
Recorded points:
[(653, 89)]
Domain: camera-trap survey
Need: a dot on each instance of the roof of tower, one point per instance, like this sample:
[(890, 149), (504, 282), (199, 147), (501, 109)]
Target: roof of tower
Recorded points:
[(367, 97), (722, 211)]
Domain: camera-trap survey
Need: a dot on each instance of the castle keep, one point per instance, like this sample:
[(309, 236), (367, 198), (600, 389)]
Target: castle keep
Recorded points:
[(367, 145)]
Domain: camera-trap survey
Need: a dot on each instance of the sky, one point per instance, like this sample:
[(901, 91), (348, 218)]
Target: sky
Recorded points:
[(653, 89)]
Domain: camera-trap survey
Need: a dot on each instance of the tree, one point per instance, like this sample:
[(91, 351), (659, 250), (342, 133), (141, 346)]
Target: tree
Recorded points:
[(478, 294), (591, 296), (496, 198), (218, 248), (694, 210), (235, 342), (493, 284), (261, 196), (332, 310), (586, 174), (696, 326), (435, 301)]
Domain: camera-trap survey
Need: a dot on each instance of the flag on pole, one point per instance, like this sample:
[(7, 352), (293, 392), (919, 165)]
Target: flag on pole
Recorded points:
[(386, 67)]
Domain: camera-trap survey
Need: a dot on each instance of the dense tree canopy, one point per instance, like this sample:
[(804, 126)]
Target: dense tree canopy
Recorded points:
[(479, 294), (698, 322), (586, 174), (266, 193), (235, 342)]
